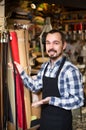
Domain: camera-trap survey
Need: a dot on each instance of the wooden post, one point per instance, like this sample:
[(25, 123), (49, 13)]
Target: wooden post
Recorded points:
[(2, 14)]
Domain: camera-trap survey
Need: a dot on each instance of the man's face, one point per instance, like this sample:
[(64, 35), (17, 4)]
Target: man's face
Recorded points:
[(54, 46)]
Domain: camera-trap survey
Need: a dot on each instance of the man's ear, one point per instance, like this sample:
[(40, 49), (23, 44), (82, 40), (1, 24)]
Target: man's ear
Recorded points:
[(65, 45)]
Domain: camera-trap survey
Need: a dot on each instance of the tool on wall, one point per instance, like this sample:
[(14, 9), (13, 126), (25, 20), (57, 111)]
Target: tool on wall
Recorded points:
[(47, 27)]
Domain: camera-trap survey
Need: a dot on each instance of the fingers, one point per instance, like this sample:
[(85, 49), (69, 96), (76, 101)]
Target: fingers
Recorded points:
[(19, 67), (37, 104), (10, 65), (41, 102)]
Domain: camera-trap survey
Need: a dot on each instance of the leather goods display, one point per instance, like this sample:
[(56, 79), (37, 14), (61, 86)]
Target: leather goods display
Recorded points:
[(19, 89), (23, 48)]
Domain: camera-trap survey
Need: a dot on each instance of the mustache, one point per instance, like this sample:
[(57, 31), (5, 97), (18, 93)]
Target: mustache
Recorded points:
[(52, 50)]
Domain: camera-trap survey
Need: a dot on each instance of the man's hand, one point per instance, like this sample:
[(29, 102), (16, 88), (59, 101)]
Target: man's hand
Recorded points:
[(41, 102), (18, 66), (10, 65)]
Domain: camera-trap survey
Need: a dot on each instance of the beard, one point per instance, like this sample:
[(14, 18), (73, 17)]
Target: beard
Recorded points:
[(52, 56)]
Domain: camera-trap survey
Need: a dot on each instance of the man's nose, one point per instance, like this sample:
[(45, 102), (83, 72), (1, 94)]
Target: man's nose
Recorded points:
[(51, 45)]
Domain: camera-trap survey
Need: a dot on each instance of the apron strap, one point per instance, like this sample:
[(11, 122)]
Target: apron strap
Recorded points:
[(61, 65)]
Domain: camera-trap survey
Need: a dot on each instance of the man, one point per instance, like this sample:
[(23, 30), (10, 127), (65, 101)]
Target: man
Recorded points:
[(61, 85)]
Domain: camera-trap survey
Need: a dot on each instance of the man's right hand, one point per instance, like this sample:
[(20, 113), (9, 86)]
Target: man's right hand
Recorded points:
[(19, 67)]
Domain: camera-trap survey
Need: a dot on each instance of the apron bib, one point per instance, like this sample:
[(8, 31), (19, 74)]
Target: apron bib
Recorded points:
[(53, 117)]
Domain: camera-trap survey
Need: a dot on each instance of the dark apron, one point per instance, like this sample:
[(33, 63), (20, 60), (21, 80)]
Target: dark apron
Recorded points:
[(52, 117)]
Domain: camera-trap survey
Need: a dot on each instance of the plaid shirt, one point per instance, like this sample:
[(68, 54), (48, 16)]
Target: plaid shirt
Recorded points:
[(69, 84)]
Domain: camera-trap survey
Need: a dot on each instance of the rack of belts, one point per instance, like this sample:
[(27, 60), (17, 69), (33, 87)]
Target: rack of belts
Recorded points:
[(12, 101), (4, 41)]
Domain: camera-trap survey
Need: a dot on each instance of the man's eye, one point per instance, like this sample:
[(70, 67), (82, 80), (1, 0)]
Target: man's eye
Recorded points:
[(47, 42), (56, 43)]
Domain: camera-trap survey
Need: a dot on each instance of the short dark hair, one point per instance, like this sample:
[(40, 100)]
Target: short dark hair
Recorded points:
[(57, 31)]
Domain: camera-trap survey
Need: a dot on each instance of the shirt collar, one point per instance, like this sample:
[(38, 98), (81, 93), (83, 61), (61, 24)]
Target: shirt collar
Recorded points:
[(57, 62)]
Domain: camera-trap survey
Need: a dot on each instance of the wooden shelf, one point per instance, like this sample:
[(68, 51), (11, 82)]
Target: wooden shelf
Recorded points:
[(74, 12), (74, 21)]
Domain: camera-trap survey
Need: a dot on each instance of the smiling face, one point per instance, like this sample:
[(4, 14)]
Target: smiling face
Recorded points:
[(54, 45)]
